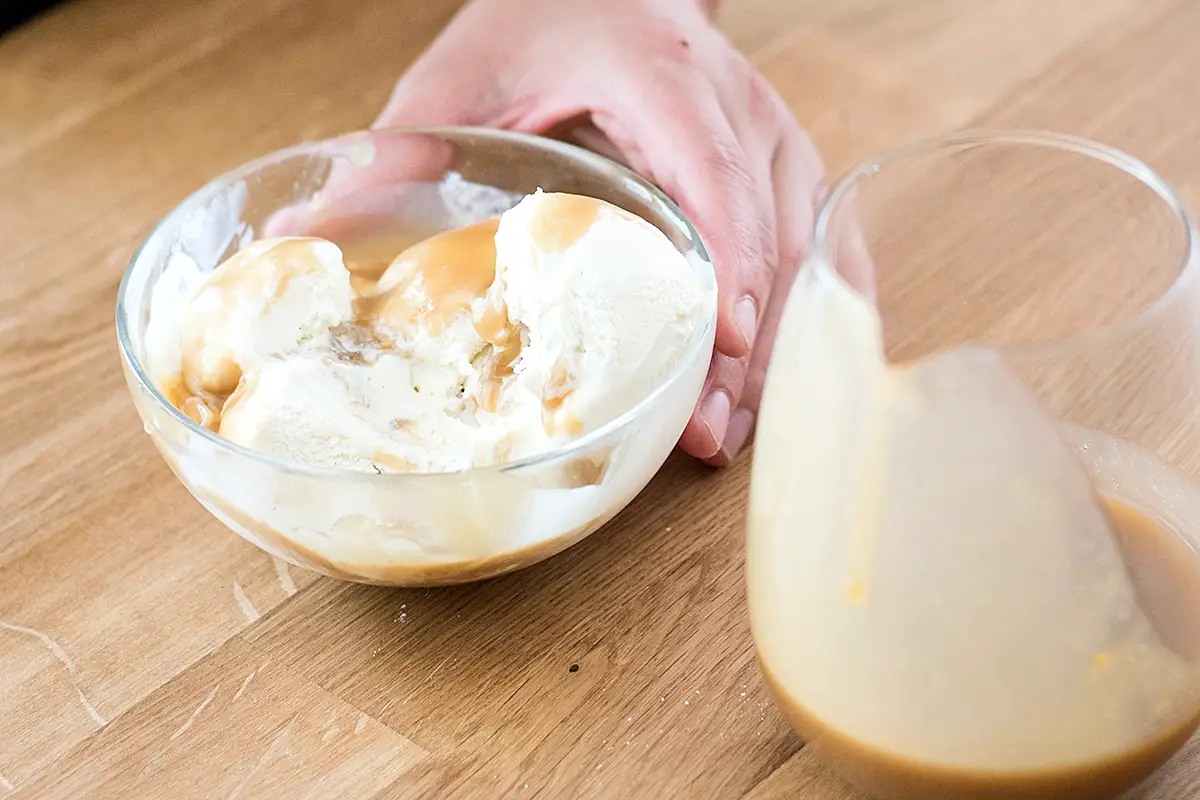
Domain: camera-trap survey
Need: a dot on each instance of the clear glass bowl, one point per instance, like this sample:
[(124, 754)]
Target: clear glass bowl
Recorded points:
[(408, 529)]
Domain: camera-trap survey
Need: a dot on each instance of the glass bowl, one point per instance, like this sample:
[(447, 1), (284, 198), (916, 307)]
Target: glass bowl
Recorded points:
[(411, 529)]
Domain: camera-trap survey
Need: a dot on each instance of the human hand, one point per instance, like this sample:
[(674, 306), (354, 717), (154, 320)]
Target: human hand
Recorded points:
[(681, 106)]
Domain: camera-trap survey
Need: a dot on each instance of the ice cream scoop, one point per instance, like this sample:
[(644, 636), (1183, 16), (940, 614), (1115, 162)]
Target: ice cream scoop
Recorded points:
[(267, 300), (606, 304)]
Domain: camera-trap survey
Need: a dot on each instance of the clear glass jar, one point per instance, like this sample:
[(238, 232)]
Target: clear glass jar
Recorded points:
[(991, 330)]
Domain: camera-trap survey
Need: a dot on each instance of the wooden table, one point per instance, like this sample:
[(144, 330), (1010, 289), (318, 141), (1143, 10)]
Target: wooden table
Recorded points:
[(147, 651)]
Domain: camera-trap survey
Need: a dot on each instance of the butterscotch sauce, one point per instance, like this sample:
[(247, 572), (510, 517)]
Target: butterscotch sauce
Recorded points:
[(492, 323), (886, 774), (556, 420), (1165, 573), (435, 279), (497, 366), (245, 386), (202, 409), (261, 272), (394, 463), (362, 286), (201, 413), (451, 269), (562, 219), (497, 330), (431, 281), (277, 263), (364, 567), (558, 423), (367, 257)]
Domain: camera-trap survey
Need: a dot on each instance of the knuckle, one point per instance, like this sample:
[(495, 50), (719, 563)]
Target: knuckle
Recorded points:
[(729, 375), (770, 255), (761, 99), (726, 161), (750, 227)]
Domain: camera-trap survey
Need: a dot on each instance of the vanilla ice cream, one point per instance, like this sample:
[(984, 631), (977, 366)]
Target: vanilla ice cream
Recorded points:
[(267, 300), (608, 304), (478, 346)]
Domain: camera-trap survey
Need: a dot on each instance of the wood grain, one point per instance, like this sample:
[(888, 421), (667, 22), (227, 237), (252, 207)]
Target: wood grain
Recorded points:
[(231, 727), (147, 651)]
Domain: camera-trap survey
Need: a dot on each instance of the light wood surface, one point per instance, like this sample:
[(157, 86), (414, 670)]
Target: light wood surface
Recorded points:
[(146, 651)]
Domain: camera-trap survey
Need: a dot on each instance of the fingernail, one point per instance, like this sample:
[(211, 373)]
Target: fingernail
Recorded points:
[(747, 319), (741, 426), (715, 414)]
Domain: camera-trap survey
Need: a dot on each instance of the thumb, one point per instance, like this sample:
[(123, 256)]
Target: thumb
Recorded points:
[(373, 176)]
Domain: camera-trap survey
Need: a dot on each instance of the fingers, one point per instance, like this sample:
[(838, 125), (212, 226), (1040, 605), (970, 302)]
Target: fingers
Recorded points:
[(583, 132), (380, 176), (797, 177), (781, 160), (710, 422), (611, 127), (431, 95), (439, 89), (723, 185), (741, 429), (694, 154)]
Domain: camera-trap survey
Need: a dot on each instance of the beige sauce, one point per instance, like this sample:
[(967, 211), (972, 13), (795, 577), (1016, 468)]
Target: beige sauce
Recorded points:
[(936, 596), (276, 265), (438, 278), (563, 219), (1166, 574), (504, 338), (555, 419), (432, 280), (367, 256), (202, 409), (393, 571), (246, 276), (452, 268)]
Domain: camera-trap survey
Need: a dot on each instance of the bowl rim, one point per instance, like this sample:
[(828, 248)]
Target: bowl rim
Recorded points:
[(573, 448)]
